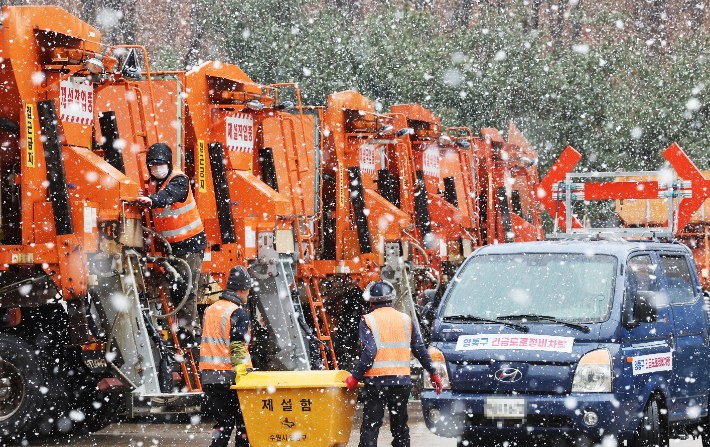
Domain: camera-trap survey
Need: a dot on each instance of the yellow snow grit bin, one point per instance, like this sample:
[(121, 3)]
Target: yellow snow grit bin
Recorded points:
[(297, 408)]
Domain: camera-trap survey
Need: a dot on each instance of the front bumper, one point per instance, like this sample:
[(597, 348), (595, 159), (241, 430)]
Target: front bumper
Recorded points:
[(462, 415)]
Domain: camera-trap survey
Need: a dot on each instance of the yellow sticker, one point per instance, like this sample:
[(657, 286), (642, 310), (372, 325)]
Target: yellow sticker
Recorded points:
[(30, 135), (341, 187), (201, 174)]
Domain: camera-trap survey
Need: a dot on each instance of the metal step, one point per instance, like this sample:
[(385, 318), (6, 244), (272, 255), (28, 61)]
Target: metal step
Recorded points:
[(278, 302), (120, 307), (163, 403)]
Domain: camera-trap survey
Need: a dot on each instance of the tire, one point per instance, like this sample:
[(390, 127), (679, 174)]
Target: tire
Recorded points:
[(57, 370), (88, 409), (705, 435), (21, 383), (97, 409), (652, 430)]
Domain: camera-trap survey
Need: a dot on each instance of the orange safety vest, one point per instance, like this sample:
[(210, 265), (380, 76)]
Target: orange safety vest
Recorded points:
[(179, 221), (214, 349), (392, 331)]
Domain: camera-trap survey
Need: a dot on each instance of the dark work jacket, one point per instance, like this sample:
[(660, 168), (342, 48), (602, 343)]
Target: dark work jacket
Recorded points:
[(369, 351), (174, 192), (239, 332)]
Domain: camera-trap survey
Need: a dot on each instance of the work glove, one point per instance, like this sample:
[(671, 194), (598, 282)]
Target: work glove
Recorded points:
[(144, 201), (241, 371), (351, 382), (437, 380)]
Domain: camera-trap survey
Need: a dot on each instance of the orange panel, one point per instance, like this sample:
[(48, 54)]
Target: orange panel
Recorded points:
[(44, 223), (119, 98), (384, 217), (254, 197), (96, 180)]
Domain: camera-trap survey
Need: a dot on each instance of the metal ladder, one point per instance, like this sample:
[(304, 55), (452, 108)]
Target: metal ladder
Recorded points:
[(320, 318), (188, 363)]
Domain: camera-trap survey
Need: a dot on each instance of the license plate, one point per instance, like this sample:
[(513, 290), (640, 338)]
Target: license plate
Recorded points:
[(504, 408)]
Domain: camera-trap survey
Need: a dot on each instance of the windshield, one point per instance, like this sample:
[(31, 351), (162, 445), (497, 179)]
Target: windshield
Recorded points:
[(572, 287)]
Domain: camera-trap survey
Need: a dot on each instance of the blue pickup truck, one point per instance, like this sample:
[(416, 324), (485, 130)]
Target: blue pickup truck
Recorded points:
[(577, 341)]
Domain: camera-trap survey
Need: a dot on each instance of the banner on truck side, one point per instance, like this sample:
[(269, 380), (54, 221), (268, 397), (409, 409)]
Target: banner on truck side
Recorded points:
[(240, 132), (430, 160), (76, 102), (652, 363), (522, 342), (369, 158)]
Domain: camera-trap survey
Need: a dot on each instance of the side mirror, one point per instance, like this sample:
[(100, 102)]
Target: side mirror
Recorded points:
[(643, 311)]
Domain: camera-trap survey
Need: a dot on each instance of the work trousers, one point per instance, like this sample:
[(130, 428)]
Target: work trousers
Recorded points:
[(374, 398), (188, 317), (223, 405)]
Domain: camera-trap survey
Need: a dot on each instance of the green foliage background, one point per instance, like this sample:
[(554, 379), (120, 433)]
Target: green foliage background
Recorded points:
[(619, 107)]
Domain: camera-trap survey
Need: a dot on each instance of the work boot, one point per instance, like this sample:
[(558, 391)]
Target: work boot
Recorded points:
[(219, 438), (241, 440)]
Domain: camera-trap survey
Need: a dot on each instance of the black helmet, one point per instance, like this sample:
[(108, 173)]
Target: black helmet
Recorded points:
[(379, 292), (159, 153)]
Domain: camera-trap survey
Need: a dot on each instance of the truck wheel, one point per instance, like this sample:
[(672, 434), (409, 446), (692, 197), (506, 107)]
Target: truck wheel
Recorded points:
[(98, 410), (651, 431), (21, 400)]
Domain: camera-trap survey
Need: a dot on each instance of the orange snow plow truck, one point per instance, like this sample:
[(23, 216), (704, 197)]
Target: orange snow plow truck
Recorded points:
[(84, 325)]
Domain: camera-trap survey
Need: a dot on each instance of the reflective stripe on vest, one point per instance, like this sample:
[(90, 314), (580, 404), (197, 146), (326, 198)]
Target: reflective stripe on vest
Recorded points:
[(179, 221), (172, 213), (392, 333), (214, 348)]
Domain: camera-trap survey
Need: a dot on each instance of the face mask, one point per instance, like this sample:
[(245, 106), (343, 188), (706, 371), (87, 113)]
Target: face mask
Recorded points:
[(159, 171)]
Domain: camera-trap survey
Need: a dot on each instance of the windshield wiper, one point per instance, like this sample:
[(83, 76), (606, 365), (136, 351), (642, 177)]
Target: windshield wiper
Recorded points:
[(519, 327), (534, 317)]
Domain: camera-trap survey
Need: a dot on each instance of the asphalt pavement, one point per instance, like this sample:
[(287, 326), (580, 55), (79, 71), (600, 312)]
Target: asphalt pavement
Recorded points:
[(196, 432)]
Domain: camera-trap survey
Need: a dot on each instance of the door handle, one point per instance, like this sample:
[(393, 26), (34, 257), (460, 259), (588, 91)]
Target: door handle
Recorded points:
[(671, 341)]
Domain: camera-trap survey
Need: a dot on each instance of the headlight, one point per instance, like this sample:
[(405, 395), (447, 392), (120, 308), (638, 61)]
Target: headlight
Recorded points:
[(439, 362), (594, 373)]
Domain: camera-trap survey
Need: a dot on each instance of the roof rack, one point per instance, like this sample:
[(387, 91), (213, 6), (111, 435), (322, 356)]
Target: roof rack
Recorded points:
[(683, 196)]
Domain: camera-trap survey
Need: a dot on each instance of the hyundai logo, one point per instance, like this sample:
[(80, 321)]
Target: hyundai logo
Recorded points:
[(508, 375)]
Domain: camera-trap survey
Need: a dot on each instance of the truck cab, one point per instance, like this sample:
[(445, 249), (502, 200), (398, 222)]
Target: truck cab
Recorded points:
[(582, 341)]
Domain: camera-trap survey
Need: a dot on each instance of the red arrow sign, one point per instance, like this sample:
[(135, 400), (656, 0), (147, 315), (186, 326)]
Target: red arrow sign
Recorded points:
[(688, 171), (564, 165)]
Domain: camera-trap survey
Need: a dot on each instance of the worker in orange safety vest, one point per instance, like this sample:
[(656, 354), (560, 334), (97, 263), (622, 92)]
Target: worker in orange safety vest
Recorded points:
[(224, 357), (388, 340), (176, 218)]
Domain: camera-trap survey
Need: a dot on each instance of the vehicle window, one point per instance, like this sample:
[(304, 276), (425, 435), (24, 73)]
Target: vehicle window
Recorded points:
[(567, 286), (680, 283), (641, 278)]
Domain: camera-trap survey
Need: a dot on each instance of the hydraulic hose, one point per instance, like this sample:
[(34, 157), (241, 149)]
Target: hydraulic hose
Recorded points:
[(437, 279), (418, 247), (165, 242), (18, 284), (188, 280)]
